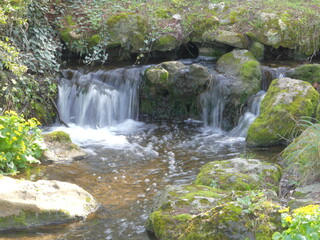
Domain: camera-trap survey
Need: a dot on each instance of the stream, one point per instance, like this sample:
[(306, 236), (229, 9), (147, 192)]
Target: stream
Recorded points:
[(129, 161)]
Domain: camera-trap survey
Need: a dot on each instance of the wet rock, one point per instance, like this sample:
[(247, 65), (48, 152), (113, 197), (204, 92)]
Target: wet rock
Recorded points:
[(61, 148), (286, 101), (25, 204), (171, 90), (199, 212), (244, 80), (240, 174)]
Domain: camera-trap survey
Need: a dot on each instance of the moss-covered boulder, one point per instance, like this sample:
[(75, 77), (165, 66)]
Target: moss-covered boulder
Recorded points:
[(243, 215), (271, 30), (199, 212), (240, 174), (307, 72), (165, 43), (127, 30), (171, 90), (61, 148), (25, 204), (257, 49), (176, 205), (225, 38), (286, 101), (244, 80)]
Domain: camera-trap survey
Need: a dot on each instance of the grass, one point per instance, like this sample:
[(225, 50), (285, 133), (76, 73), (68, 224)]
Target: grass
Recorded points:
[(302, 156)]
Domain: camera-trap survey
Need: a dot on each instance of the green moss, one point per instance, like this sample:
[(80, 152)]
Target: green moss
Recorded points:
[(257, 49), (166, 43), (278, 123), (27, 219), (69, 20), (65, 35), (307, 72), (57, 136), (94, 40)]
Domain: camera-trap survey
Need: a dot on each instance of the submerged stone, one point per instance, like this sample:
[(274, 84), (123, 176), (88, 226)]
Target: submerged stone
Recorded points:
[(286, 101), (240, 174), (25, 204)]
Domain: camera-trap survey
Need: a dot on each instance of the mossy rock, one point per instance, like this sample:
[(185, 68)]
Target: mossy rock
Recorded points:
[(171, 89), (176, 205), (26, 204), (240, 174), (307, 72), (61, 148), (57, 136), (257, 49), (128, 29), (302, 196), (244, 80), (286, 102), (225, 38), (234, 218), (218, 215), (165, 43)]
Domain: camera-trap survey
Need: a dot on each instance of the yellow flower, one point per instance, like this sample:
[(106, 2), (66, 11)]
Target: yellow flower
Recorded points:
[(309, 209), (1, 127), (284, 210), (288, 219)]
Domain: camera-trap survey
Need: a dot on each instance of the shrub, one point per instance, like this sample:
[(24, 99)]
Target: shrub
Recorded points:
[(301, 223), (20, 142)]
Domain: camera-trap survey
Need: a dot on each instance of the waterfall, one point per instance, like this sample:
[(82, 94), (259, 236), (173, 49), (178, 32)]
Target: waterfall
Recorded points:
[(270, 73), (101, 98), (213, 102), (247, 119)]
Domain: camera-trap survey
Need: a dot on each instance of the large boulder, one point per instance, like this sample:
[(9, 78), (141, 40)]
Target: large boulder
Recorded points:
[(240, 174), (272, 31), (199, 212), (25, 204), (171, 90), (286, 101), (127, 31), (244, 80)]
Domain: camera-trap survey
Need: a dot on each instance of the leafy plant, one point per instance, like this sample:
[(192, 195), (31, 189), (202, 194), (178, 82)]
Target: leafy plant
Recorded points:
[(21, 142), (301, 223)]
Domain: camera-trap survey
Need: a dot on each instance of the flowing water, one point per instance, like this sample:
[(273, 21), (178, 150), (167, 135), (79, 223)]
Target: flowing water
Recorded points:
[(129, 161)]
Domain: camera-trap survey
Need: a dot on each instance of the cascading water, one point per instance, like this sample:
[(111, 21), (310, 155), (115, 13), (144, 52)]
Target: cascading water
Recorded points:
[(213, 102), (251, 114), (101, 98), (270, 73)]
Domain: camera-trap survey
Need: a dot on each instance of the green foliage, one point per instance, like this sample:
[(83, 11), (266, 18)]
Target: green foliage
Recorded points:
[(301, 223), (302, 155), (21, 142)]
